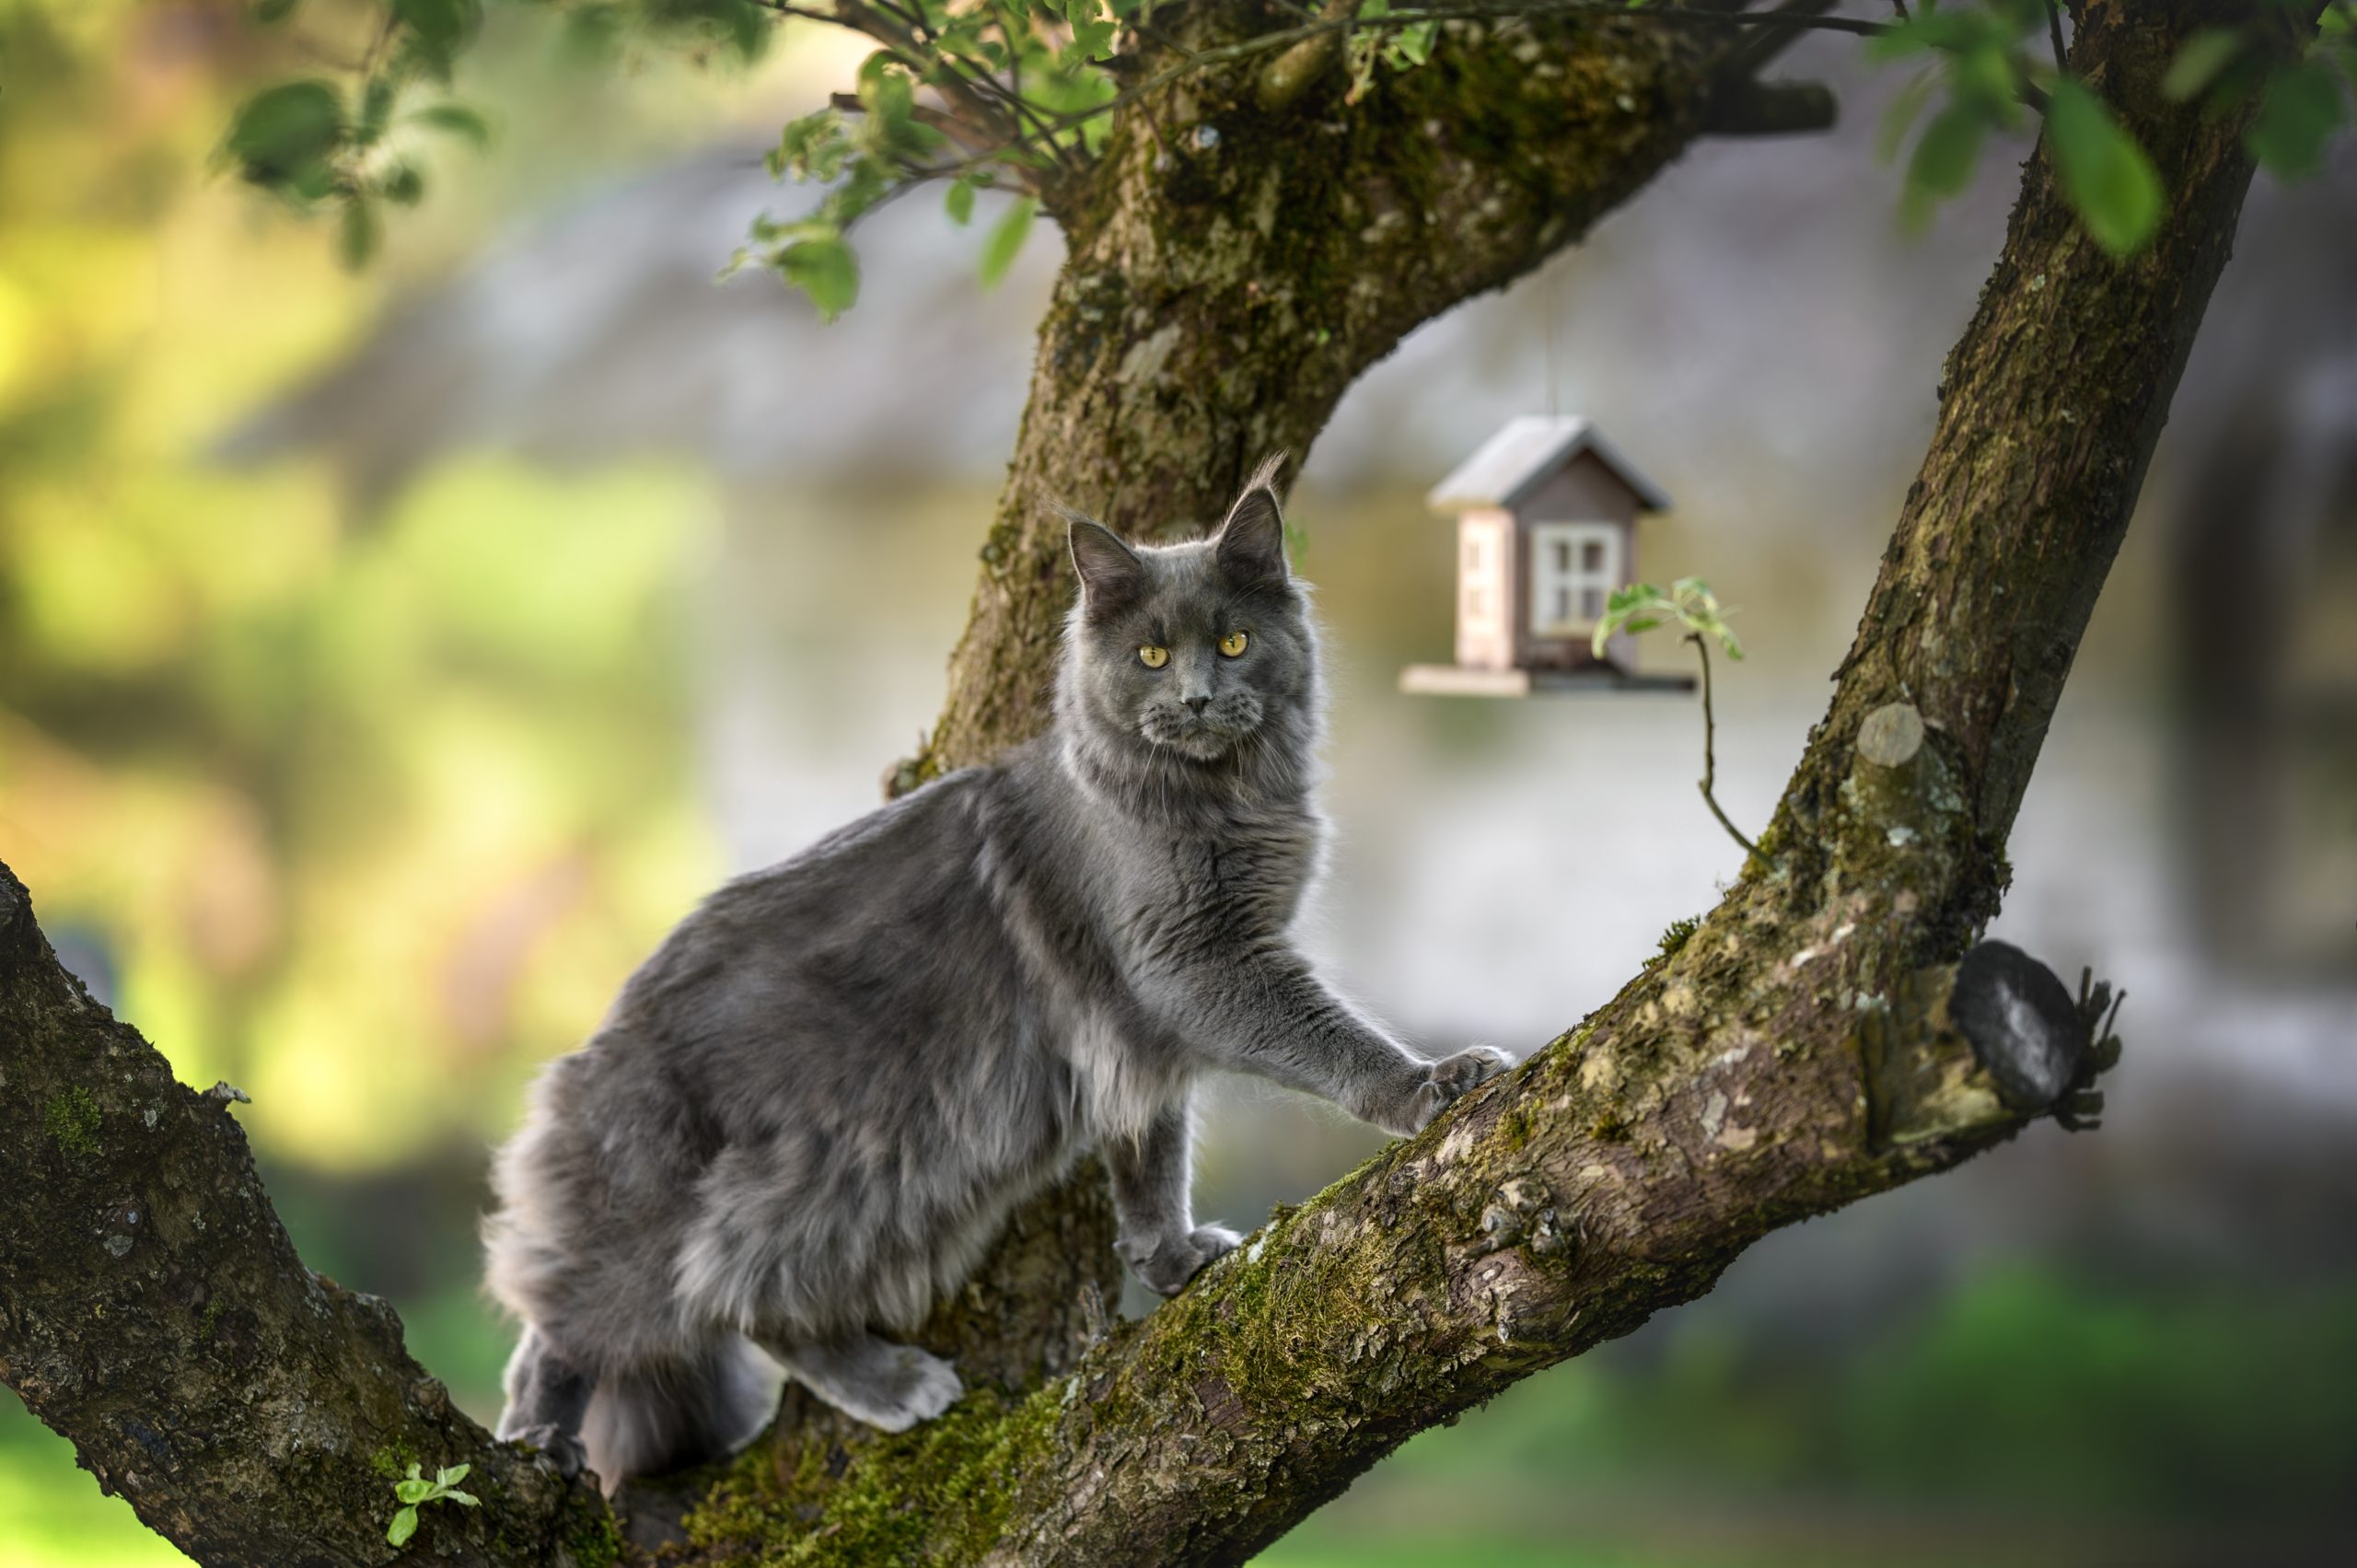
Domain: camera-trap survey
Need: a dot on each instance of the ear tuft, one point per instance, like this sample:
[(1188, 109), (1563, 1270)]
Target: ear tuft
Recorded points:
[(1251, 544), (1110, 571)]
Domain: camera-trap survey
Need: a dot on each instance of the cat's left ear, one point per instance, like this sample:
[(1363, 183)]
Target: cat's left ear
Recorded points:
[(1251, 544), (1110, 573)]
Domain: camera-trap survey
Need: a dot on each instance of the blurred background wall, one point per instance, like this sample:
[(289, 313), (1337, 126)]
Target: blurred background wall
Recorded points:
[(386, 661)]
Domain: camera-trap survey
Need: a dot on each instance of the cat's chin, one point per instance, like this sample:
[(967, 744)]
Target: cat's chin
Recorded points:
[(1197, 745)]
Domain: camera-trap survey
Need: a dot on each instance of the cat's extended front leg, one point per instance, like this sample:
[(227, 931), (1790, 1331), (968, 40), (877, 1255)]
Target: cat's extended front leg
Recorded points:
[(1267, 1013), (1152, 1175)]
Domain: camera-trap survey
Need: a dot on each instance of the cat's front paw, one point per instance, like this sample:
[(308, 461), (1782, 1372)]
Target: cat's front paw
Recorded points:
[(560, 1447), (1441, 1083), (1168, 1266)]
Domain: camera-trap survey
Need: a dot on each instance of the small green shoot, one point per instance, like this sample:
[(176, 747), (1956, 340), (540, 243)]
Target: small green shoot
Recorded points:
[(416, 1489), (1641, 607), (1690, 602)]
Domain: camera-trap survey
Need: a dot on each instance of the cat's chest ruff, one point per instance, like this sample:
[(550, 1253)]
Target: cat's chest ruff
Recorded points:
[(1256, 874)]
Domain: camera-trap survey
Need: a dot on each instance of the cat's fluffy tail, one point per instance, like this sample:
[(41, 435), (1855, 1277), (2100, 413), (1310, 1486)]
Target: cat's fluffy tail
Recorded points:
[(647, 1422)]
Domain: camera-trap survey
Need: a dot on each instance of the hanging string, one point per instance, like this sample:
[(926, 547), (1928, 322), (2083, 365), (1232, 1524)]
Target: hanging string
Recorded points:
[(1547, 312)]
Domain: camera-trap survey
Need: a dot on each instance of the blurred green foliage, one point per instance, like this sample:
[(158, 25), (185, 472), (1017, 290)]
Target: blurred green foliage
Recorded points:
[(365, 815)]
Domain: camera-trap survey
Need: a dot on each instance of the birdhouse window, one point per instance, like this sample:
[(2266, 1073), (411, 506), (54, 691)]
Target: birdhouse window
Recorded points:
[(1574, 568)]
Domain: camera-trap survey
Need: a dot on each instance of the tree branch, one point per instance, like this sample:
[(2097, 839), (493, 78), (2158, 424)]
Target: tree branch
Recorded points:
[(152, 1310)]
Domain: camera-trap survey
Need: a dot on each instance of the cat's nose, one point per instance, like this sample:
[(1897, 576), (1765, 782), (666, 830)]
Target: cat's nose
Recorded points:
[(1197, 704)]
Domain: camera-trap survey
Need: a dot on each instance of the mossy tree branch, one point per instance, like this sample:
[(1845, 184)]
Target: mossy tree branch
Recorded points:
[(1802, 1049)]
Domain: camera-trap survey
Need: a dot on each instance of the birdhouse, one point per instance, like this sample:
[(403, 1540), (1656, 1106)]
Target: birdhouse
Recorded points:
[(1545, 519)]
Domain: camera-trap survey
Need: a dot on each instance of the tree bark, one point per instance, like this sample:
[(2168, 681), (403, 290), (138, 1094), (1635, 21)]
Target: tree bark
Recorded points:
[(152, 1310), (1813, 1043), (1232, 268)]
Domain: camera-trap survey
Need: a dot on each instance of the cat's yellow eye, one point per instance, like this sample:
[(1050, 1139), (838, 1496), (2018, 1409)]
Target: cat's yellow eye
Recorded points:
[(1232, 645), (1153, 657)]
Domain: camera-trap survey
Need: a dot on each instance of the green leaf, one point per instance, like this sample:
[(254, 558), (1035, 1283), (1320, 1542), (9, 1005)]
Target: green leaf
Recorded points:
[(471, 1500), (458, 120), (451, 1475), (2196, 65), (1005, 241), (1949, 150), (269, 11), (812, 148), (404, 1526), (2105, 173), (285, 132), (402, 185), (958, 202), (1943, 160), (1907, 107), (356, 236), (825, 270), (439, 24), (2302, 108), (376, 109), (749, 30), (413, 1491)]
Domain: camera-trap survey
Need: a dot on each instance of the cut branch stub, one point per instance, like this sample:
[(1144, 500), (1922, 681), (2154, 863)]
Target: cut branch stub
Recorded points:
[(2022, 1024), (1971, 1048)]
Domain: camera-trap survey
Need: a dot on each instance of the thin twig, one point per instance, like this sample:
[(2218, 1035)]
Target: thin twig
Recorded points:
[(2054, 32), (1709, 759)]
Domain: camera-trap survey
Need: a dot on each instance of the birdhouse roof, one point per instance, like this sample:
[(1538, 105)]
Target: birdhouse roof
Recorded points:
[(1520, 457)]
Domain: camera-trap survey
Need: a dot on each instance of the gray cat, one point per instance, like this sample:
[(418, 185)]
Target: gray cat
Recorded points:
[(811, 1109)]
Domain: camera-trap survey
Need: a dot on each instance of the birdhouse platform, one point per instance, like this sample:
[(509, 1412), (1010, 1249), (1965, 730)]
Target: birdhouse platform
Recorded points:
[(1546, 518)]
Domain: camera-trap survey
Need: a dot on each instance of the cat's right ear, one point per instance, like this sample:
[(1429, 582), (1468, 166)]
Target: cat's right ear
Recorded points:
[(1110, 573)]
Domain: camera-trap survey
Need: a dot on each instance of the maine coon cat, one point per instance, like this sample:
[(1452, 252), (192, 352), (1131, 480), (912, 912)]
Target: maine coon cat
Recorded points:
[(808, 1113)]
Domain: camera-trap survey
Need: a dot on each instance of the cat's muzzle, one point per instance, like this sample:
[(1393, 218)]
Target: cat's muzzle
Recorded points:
[(1205, 735)]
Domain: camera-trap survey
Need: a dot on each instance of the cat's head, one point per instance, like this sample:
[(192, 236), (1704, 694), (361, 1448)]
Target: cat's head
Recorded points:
[(1204, 650)]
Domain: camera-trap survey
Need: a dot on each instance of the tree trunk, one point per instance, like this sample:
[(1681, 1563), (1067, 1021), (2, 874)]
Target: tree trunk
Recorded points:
[(1231, 269), (1813, 1043)]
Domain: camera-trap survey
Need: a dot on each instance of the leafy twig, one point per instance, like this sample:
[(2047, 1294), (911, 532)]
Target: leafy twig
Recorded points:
[(1641, 607), (1709, 760)]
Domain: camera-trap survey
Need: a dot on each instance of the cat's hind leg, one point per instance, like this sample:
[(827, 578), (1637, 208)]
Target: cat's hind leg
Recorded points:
[(888, 1385), (547, 1396)]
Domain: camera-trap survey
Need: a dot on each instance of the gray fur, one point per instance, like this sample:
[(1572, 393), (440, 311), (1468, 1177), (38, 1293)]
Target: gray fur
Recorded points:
[(810, 1111)]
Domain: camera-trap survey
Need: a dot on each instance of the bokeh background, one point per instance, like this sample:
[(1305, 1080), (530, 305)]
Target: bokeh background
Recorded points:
[(388, 659)]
